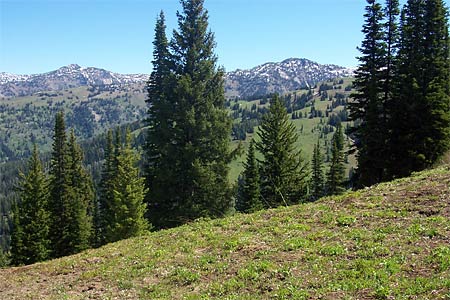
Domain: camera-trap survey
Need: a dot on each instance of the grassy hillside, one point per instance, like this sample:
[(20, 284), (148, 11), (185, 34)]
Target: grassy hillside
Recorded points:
[(390, 241)]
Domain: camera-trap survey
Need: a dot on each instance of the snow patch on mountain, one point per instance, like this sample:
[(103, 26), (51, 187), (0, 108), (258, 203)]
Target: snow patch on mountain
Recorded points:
[(65, 77), (288, 75)]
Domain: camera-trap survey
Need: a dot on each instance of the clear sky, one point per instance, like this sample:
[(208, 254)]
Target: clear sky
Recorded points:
[(42, 35)]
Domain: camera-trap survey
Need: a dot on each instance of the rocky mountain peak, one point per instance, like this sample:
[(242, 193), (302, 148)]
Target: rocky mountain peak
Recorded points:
[(288, 75)]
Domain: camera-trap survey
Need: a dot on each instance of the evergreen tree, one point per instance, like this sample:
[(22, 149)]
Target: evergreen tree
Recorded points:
[(249, 199), (127, 207), (317, 180), (408, 106), (30, 241), (61, 191), (392, 38), (80, 206), (283, 171), (104, 210), (420, 115), (71, 194), (436, 121), (4, 259), (188, 167), (160, 123), (391, 33), (336, 174), (369, 106)]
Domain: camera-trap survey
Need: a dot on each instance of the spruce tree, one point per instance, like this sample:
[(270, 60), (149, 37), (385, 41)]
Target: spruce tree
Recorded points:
[(369, 106), (392, 39), (392, 36), (104, 210), (436, 120), (406, 111), (336, 174), (61, 191), (283, 171), (188, 176), (80, 230), (71, 195), (30, 240), (160, 140), (127, 207), (159, 136), (317, 180), (420, 121), (249, 198)]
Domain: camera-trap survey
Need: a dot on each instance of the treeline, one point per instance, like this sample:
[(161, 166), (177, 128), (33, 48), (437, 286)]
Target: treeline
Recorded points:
[(402, 103)]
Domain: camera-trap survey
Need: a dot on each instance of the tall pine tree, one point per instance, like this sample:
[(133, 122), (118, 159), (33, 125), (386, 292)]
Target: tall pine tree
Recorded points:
[(336, 174), (188, 176), (80, 206), (160, 138), (60, 190), (369, 106), (104, 215), (283, 171), (249, 198), (436, 120), (127, 209), (70, 195), (420, 120), (317, 179), (30, 240)]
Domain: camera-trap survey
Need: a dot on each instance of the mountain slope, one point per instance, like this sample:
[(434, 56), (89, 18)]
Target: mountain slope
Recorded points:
[(288, 75), (64, 78), (390, 241)]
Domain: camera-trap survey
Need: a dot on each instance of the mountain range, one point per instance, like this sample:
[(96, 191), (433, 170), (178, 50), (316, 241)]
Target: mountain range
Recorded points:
[(66, 77), (290, 74)]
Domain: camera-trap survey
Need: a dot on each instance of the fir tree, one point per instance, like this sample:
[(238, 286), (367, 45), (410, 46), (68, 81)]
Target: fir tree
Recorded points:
[(80, 229), (420, 115), (160, 143), (369, 105), (61, 191), (317, 180), (71, 194), (392, 39), (104, 210), (188, 175), (436, 119), (408, 106), (392, 36), (160, 124), (336, 174), (128, 205), (30, 241), (283, 171), (249, 199)]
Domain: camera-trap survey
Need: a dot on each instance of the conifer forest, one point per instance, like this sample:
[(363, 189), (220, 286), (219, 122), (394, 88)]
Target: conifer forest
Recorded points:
[(191, 152)]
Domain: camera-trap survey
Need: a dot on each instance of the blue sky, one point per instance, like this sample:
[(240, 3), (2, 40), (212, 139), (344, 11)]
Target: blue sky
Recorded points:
[(41, 35)]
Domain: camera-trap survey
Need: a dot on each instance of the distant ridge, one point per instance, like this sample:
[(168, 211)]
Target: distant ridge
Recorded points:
[(288, 75), (63, 78)]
